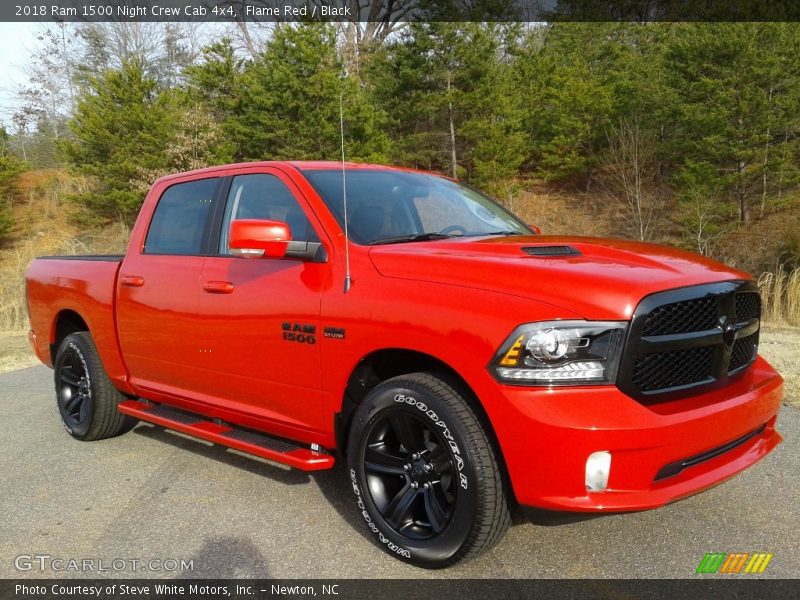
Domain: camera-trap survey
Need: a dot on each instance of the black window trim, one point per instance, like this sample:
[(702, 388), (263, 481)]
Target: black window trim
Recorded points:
[(215, 234), (298, 250)]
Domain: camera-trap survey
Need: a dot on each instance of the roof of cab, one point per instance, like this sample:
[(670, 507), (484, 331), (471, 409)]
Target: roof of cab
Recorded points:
[(300, 165)]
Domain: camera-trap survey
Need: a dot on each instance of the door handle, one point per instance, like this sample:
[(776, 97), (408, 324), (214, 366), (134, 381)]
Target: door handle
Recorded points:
[(132, 280), (218, 287)]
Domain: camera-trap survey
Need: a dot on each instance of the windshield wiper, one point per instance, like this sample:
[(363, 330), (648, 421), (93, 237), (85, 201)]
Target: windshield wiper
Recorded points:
[(502, 232), (414, 237)]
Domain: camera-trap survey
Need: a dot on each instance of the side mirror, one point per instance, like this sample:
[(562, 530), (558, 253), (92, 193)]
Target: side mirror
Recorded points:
[(536, 229), (256, 238)]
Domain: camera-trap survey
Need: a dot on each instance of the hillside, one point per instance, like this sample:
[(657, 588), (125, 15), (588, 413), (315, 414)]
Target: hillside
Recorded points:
[(47, 222)]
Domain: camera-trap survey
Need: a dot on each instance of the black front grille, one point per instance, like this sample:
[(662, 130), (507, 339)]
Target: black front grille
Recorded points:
[(682, 317), (694, 336), (662, 370)]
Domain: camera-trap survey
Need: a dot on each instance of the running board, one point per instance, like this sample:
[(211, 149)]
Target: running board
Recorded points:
[(252, 442)]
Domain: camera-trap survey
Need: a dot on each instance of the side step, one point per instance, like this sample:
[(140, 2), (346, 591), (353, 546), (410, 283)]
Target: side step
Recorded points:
[(252, 442)]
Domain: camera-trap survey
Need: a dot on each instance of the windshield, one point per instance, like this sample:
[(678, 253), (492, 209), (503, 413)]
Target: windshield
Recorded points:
[(394, 206)]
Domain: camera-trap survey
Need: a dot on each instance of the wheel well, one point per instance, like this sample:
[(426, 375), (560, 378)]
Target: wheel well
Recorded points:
[(67, 321), (385, 364)]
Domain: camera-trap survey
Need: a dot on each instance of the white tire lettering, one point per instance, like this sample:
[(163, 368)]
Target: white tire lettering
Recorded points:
[(411, 401), (88, 381), (383, 539)]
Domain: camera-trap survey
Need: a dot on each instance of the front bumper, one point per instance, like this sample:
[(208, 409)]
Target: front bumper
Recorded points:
[(546, 435)]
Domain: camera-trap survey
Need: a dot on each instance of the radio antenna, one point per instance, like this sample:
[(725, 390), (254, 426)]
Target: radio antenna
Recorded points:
[(344, 203)]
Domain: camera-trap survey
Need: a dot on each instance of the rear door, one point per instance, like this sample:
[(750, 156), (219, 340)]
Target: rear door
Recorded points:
[(159, 288), (261, 316)]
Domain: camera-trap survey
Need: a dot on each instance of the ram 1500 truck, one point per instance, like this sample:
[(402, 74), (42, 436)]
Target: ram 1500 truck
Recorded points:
[(459, 361)]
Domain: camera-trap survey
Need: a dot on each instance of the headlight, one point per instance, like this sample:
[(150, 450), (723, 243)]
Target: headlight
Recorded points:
[(561, 352)]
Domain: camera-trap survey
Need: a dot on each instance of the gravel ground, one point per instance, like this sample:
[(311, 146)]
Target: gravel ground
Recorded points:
[(154, 494), (781, 347), (15, 351)]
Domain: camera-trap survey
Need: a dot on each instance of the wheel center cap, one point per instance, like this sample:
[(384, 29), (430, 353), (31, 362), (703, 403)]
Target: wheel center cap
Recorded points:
[(418, 471)]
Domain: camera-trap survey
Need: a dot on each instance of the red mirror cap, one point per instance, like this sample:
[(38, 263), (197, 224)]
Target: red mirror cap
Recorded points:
[(536, 229), (272, 237)]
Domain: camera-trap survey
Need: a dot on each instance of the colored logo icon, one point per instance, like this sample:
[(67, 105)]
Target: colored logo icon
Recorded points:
[(740, 562)]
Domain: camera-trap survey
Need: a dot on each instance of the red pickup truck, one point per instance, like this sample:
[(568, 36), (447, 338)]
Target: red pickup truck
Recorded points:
[(459, 361)]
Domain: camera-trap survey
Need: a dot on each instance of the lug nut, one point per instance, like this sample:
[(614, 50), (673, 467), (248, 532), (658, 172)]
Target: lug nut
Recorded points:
[(406, 467), (414, 485), (426, 485), (428, 468), (415, 456)]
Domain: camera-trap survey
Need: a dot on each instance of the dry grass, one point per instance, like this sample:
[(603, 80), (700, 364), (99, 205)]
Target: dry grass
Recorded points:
[(780, 296), (780, 345), (13, 312), (561, 213), (43, 228), (15, 351)]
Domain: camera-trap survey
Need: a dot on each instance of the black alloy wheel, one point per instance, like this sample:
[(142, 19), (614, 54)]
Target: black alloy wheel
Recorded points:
[(410, 474), (424, 471), (86, 398), (74, 392)]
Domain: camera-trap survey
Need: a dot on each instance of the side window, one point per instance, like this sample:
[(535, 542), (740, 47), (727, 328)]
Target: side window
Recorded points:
[(263, 196), (181, 217)]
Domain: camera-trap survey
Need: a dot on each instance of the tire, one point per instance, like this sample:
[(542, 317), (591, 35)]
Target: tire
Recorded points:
[(86, 399), (424, 473)]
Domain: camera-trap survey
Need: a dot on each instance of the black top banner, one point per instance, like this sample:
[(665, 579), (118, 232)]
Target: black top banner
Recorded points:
[(392, 11)]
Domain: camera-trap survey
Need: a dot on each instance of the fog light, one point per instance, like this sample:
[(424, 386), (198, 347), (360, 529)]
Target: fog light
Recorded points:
[(598, 466)]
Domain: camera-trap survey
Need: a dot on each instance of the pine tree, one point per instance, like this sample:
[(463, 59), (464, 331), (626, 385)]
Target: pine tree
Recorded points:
[(216, 82), (451, 100), (10, 167), (569, 97), (290, 101), (120, 128), (738, 89)]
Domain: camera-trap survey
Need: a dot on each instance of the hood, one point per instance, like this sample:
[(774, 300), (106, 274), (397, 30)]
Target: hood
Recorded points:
[(597, 279)]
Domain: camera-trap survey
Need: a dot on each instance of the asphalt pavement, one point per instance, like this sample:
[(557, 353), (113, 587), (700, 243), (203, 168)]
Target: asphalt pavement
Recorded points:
[(154, 495)]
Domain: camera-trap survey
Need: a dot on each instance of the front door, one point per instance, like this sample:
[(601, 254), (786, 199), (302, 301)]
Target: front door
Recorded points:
[(261, 316)]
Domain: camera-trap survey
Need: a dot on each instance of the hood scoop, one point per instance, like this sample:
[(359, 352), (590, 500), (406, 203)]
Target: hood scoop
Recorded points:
[(550, 251)]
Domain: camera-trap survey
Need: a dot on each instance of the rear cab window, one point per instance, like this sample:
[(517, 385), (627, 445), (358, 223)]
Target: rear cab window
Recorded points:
[(180, 223)]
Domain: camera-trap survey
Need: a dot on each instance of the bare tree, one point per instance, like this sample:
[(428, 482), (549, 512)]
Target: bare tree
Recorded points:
[(163, 48), (631, 177), (703, 221), (49, 94), (365, 21)]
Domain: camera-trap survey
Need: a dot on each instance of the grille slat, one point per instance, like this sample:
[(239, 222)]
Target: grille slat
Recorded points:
[(743, 352), (748, 306), (665, 370), (682, 317)]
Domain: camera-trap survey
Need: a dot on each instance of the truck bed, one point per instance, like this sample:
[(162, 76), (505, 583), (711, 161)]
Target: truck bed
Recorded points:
[(80, 287)]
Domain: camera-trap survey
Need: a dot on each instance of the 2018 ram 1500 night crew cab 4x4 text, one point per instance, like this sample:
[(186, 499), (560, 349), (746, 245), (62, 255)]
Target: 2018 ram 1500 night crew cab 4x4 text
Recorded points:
[(456, 359)]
